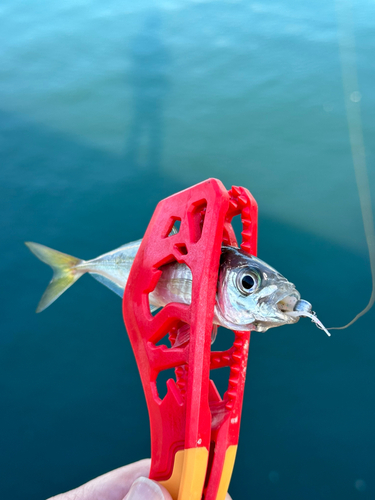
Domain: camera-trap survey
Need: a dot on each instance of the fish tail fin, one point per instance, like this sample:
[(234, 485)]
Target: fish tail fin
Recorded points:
[(64, 272)]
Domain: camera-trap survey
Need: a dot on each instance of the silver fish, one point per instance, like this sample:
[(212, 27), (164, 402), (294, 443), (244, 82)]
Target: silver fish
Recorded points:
[(251, 295)]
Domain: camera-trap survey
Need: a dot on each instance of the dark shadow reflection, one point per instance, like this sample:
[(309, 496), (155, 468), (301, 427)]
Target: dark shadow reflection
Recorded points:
[(150, 61)]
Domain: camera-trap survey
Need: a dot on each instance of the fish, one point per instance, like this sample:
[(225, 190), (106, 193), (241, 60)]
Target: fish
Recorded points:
[(251, 295)]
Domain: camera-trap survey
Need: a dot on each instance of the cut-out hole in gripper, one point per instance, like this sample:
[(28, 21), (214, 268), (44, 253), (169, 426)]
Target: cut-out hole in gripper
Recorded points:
[(161, 381), (178, 375), (177, 336), (224, 339), (237, 227), (165, 341), (196, 215), (220, 377), (181, 247), (173, 227), (174, 282)]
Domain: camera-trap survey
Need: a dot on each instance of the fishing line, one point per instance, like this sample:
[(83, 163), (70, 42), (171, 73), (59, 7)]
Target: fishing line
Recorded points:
[(352, 98)]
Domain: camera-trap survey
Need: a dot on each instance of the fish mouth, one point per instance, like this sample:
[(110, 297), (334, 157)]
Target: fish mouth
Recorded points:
[(283, 303), (288, 301)]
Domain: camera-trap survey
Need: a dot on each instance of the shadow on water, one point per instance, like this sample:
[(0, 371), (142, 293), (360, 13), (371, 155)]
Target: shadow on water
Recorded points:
[(150, 61)]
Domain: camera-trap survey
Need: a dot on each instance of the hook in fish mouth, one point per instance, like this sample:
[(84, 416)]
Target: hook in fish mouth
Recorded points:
[(300, 308)]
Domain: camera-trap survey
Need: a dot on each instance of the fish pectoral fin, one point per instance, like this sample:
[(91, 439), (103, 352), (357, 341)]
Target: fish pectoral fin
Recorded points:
[(183, 335), (109, 284)]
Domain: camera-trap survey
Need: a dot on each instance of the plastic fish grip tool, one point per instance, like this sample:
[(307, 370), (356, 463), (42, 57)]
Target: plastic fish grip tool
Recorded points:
[(194, 431)]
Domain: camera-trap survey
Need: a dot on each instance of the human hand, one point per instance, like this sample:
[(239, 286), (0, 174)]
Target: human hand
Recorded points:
[(126, 483)]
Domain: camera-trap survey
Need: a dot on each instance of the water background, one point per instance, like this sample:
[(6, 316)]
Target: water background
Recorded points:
[(108, 107)]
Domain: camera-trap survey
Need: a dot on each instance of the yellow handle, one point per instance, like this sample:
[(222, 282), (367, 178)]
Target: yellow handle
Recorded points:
[(189, 473)]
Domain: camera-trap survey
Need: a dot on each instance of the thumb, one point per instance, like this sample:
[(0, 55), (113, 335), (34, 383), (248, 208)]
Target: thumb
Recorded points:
[(146, 489)]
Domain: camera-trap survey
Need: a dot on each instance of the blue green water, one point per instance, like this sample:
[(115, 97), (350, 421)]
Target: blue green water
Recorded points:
[(105, 108)]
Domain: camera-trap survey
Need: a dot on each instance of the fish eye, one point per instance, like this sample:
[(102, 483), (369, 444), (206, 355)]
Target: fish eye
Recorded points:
[(247, 282)]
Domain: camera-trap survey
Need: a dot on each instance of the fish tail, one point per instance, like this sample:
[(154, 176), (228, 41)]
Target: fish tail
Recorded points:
[(64, 272)]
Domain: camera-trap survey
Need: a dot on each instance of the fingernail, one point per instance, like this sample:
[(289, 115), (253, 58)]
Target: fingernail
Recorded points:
[(143, 488)]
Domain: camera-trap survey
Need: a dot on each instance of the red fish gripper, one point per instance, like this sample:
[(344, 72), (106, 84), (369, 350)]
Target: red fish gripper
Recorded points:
[(194, 432)]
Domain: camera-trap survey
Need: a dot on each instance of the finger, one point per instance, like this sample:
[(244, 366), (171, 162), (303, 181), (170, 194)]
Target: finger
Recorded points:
[(112, 486), (146, 489)]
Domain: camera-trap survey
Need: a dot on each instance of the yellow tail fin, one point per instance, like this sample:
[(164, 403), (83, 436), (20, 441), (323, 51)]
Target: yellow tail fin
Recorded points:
[(64, 272)]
